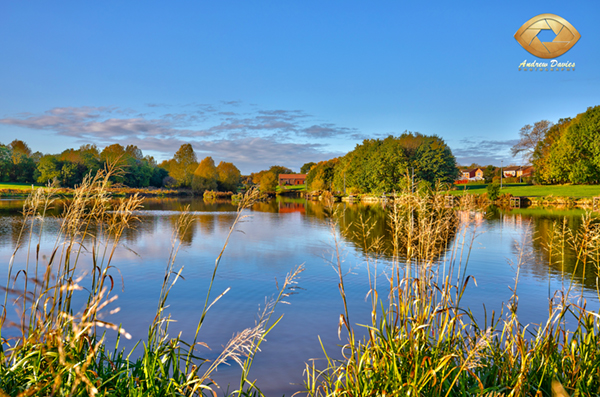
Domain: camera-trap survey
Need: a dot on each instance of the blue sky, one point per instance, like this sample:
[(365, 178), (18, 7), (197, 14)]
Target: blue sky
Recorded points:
[(261, 83)]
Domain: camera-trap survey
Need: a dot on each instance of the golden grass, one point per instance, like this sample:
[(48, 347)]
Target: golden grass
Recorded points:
[(63, 352)]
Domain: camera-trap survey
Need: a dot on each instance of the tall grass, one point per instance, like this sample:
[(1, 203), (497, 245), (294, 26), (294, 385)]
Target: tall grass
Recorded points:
[(52, 347), (422, 340)]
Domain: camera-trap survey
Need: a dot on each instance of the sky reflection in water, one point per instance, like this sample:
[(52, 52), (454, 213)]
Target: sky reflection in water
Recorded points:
[(273, 239)]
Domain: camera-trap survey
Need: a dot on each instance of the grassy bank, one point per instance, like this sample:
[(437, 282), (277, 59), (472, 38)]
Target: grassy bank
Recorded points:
[(49, 347), (516, 189), (24, 190), (422, 341)]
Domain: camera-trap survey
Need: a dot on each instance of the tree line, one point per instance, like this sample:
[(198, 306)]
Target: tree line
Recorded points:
[(564, 152), (386, 165), (19, 164)]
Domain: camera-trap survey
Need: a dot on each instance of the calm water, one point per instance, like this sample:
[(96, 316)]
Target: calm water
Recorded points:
[(278, 236)]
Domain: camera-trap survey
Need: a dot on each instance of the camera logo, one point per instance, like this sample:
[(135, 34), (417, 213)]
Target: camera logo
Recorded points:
[(566, 36)]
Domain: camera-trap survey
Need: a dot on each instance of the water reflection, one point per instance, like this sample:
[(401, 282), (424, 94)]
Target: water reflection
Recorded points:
[(549, 249), (286, 232), (162, 213)]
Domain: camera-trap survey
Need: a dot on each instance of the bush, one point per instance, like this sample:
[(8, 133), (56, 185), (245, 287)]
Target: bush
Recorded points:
[(493, 191)]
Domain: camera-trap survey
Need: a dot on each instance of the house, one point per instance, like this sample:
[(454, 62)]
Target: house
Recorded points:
[(292, 179), (475, 174), (515, 171), (527, 172)]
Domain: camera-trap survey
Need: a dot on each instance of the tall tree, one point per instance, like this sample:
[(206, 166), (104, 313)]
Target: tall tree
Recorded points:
[(184, 165), (229, 177), (49, 169), (530, 136), (5, 163), (543, 160), (205, 176), (20, 147)]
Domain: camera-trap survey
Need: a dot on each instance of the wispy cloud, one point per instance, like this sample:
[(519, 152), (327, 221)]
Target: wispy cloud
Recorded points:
[(258, 137), (484, 151)]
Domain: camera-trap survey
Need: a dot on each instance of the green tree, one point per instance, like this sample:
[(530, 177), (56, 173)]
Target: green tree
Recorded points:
[(384, 165), (489, 173), (306, 167), (434, 161), (571, 152), (278, 170), (205, 176), (542, 158), (493, 191), (49, 169)]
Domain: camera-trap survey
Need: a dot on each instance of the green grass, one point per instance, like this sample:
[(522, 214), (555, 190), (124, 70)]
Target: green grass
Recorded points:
[(16, 185), (423, 341), (518, 189), (297, 188)]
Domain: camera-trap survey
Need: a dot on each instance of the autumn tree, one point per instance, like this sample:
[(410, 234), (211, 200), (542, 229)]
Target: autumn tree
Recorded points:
[(184, 165), (229, 177), (19, 147), (268, 182), (321, 175), (205, 176)]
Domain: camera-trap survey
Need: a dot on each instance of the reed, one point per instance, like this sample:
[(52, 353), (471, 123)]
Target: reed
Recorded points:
[(50, 348), (423, 341)]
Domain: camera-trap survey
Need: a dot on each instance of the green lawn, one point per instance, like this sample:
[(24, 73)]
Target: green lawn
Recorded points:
[(517, 189), (16, 185)]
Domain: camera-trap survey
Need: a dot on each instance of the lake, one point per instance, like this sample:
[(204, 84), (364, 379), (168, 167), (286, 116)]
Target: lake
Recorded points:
[(282, 234)]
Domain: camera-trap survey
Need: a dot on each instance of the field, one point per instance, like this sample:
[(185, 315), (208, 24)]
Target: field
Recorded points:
[(521, 189)]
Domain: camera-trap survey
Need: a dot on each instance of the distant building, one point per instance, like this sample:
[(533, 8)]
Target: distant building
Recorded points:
[(292, 179), (515, 171), (475, 174)]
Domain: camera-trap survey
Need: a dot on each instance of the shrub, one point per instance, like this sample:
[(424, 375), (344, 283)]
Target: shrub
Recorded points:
[(493, 191)]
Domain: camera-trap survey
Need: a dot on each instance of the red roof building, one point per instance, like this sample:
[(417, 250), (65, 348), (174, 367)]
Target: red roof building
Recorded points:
[(292, 179)]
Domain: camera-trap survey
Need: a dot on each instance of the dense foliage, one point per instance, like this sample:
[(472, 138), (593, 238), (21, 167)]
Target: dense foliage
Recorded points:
[(68, 169), (570, 150), (386, 165)]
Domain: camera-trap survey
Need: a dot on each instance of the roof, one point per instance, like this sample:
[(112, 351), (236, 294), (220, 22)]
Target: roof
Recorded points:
[(297, 176)]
